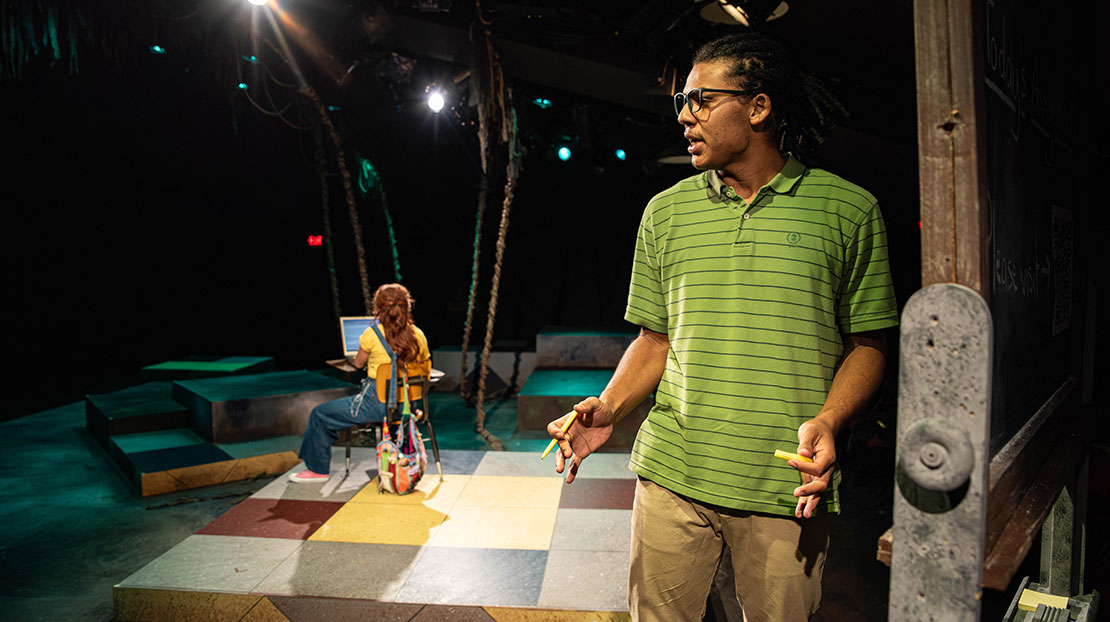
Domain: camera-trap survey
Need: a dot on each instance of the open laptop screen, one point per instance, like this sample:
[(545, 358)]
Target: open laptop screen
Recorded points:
[(351, 329)]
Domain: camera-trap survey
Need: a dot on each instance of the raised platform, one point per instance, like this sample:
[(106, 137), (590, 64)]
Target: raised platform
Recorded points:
[(581, 347), (512, 366), (551, 393), (171, 460), (239, 408), (500, 538), (207, 367), (171, 436), (143, 408)]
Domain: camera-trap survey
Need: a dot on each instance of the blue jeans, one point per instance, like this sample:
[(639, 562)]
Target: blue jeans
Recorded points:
[(328, 419)]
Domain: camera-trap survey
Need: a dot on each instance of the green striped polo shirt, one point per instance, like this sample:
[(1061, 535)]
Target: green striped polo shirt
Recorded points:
[(754, 299)]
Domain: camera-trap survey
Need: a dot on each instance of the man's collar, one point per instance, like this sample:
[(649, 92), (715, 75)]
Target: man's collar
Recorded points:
[(782, 183)]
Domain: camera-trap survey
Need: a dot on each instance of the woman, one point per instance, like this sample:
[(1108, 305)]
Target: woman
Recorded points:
[(393, 310)]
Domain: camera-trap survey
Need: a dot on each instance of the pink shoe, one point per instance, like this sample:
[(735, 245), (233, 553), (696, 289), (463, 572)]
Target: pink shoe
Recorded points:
[(308, 477)]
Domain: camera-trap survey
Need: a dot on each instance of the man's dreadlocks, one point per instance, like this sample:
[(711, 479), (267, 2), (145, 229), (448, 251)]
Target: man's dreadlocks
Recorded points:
[(803, 108)]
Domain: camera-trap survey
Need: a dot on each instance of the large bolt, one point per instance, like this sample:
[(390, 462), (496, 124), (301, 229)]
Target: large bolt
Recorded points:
[(933, 455), (936, 455)]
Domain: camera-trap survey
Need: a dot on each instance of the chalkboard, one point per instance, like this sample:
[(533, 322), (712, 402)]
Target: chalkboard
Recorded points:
[(1036, 81)]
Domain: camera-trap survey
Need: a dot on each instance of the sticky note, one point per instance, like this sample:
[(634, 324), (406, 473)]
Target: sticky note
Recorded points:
[(1031, 598), (786, 455)]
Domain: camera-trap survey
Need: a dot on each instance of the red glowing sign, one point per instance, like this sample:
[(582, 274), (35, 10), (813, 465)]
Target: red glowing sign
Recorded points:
[(315, 240)]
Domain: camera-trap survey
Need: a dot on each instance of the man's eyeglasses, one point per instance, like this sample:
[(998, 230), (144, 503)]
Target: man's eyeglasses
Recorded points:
[(693, 98)]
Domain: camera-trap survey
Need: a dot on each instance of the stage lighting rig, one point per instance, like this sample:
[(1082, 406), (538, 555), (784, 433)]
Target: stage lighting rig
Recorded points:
[(432, 6), (436, 101), (743, 12)]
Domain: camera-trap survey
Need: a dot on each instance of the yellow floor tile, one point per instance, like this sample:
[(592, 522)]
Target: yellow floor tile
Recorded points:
[(516, 492), (430, 493), (381, 524), (497, 528)]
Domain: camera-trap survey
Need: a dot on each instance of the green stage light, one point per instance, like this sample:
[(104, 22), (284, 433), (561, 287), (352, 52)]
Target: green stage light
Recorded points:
[(157, 49), (621, 154), (242, 86), (564, 153)]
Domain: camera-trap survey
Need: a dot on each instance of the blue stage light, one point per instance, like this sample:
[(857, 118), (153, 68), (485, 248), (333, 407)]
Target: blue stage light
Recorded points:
[(242, 86), (564, 153), (157, 49), (621, 155), (542, 102)]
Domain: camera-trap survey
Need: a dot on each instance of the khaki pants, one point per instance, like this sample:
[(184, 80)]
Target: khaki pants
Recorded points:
[(677, 542)]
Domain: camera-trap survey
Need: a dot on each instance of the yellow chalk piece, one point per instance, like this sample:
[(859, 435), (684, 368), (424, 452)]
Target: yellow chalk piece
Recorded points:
[(786, 455), (1031, 598), (566, 426)]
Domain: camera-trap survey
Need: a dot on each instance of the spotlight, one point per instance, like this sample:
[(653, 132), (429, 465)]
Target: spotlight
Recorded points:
[(621, 155), (157, 49), (563, 153), (435, 100), (242, 86), (542, 102), (259, 2)]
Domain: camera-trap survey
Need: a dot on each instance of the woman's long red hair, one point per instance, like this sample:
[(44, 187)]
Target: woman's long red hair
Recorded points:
[(393, 308)]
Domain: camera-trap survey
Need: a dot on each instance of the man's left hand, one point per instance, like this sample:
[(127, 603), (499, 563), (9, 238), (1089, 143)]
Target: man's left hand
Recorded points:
[(816, 440)]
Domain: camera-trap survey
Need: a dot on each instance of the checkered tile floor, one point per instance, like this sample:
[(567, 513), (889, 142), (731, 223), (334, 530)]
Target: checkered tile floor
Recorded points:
[(500, 530)]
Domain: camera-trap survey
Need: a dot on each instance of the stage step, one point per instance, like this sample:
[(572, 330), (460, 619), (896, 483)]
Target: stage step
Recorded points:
[(581, 347), (509, 362), (244, 408), (179, 459), (193, 367), (144, 408), (551, 393)]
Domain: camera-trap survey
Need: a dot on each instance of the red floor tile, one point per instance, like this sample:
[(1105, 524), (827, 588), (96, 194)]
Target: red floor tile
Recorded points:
[(598, 494), (273, 518)]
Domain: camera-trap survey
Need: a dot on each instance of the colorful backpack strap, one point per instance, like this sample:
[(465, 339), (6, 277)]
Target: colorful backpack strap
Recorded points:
[(391, 396)]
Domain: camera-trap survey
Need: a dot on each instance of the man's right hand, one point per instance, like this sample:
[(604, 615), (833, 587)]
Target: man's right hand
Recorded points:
[(590, 430)]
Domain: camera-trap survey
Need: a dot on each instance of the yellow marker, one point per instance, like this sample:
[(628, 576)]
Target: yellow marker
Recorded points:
[(786, 455), (566, 426), (1030, 599)]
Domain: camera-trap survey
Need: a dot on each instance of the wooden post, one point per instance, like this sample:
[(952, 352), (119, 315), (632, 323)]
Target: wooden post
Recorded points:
[(951, 134)]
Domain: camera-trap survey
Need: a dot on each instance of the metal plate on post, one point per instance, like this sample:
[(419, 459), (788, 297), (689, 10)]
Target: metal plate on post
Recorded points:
[(943, 454)]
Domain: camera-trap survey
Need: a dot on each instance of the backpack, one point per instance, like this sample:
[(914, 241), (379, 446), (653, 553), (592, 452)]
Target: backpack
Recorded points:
[(401, 464)]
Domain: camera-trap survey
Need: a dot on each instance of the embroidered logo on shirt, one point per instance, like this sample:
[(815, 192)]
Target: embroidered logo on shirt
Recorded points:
[(793, 238)]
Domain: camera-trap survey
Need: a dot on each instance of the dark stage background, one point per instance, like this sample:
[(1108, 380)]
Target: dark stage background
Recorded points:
[(153, 213)]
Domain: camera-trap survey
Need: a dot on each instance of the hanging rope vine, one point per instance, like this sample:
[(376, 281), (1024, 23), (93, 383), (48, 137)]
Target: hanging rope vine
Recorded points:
[(356, 227), (482, 74), (322, 168), (482, 192), (493, 105), (389, 230)]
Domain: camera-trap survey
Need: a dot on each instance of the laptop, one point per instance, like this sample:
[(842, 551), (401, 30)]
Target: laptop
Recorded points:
[(350, 329)]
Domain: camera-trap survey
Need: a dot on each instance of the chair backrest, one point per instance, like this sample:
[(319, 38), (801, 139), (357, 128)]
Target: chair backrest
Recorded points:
[(418, 375)]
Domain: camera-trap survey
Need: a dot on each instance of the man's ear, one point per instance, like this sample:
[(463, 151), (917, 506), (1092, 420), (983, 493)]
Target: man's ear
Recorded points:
[(761, 110)]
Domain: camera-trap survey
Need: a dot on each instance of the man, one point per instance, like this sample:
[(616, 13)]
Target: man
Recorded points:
[(762, 287)]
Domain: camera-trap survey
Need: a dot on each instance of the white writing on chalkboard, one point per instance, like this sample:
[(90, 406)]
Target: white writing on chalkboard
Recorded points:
[(1025, 279), (1014, 87), (1015, 75), (1062, 249)]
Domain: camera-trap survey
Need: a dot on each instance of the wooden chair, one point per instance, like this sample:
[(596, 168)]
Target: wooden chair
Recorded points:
[(420, 383)]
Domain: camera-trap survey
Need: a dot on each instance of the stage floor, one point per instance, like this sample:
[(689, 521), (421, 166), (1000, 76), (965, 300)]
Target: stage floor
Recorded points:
[(75, 528), (500, 534)]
